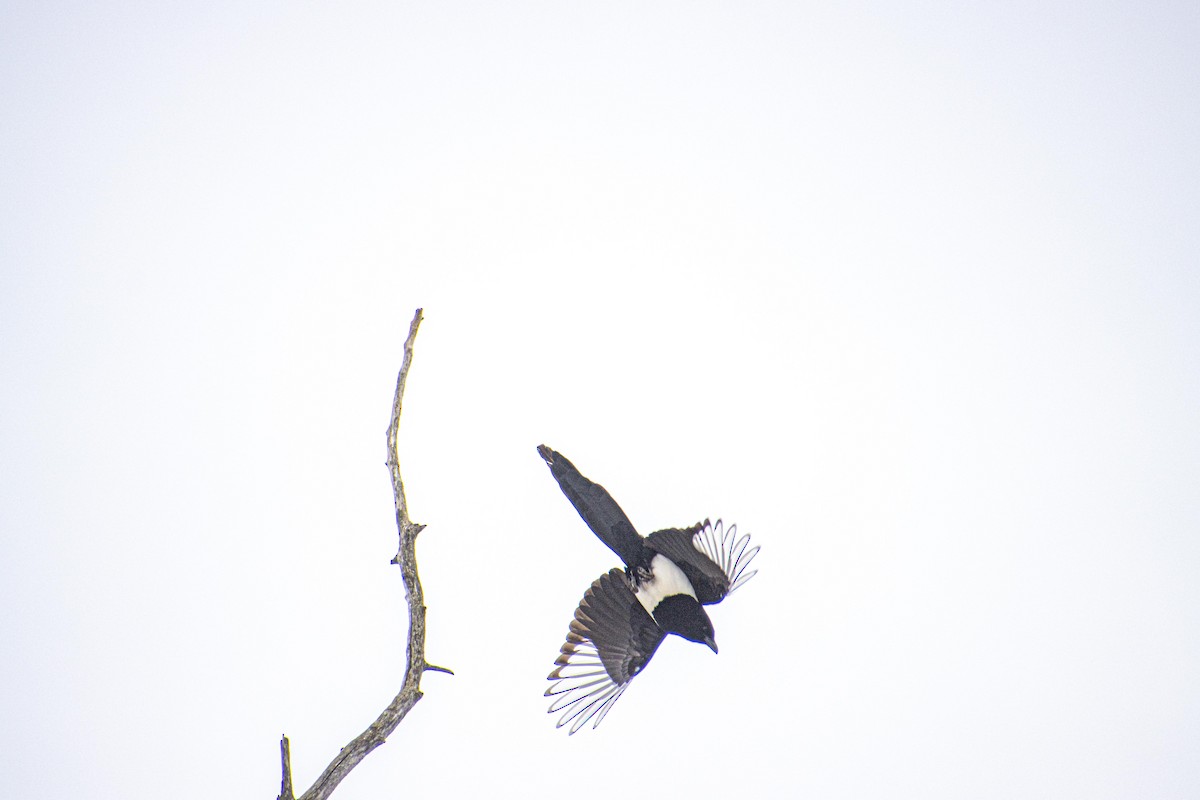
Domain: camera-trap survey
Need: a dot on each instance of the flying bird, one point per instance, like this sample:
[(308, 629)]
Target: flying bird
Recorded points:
[(625, 615)]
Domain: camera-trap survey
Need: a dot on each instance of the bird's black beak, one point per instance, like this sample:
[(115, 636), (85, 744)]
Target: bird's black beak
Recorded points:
[(711, 642)]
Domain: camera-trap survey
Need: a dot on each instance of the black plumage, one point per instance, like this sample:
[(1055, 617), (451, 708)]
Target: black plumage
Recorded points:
[(625, 615)]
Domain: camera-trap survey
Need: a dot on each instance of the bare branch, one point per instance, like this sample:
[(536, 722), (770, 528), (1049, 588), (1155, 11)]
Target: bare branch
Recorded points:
[(410, 692)]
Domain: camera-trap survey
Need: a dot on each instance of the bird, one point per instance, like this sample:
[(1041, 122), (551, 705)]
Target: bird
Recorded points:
[(668, 578)]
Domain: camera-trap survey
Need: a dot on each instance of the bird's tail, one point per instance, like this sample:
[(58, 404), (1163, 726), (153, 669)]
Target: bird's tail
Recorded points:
[(597, 507)]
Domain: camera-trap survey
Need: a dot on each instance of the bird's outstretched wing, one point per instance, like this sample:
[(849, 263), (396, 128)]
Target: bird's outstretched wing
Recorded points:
[(597, 507), (714, 558), (610, 641)]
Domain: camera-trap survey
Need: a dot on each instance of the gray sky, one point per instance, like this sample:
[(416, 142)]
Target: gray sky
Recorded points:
[(909, 292)]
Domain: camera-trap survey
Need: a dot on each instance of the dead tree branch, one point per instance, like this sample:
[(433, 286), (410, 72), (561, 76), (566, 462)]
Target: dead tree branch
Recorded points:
[(410, 691)]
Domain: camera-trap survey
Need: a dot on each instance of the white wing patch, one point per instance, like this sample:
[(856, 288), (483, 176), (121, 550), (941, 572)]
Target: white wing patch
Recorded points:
[(582, 688), (732, 554), (666, 579)]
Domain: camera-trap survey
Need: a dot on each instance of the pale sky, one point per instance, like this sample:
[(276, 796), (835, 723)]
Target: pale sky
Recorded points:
[(907, 291)]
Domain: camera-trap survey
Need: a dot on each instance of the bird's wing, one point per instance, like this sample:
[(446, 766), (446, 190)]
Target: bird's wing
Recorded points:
[(597, 507), (714, 558), (610, 641)]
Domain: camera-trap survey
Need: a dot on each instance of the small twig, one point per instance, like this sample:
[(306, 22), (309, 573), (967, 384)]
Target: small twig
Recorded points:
[(285, 756), (410, 692)]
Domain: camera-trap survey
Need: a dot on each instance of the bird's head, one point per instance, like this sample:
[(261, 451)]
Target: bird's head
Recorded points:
[(682, 615)]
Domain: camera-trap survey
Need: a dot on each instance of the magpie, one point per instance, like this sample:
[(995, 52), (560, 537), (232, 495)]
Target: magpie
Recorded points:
[(625, 615)]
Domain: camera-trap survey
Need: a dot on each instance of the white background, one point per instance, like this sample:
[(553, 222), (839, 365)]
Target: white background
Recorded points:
[(908, 291)]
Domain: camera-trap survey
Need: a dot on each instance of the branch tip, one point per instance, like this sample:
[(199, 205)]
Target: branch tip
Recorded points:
[(285, 758)]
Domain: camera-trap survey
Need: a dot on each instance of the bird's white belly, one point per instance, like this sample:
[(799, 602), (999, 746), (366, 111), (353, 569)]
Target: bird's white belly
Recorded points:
[(666, 579)]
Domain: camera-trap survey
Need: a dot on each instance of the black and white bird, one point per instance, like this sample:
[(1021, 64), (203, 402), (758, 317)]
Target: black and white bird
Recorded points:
[(624, 616)]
